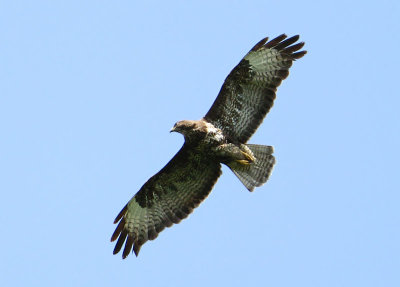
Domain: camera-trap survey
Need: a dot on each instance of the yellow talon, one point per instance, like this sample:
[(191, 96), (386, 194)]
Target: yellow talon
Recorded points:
[(244, 161), (249, 157)]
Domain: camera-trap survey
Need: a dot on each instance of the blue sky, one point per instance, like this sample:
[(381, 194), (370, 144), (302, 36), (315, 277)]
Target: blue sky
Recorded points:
[(90, 89)]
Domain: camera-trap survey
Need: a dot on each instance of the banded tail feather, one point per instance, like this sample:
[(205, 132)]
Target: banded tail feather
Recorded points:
[(256, 173)]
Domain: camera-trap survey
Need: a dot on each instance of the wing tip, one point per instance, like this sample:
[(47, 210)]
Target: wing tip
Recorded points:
[(298, 55), (120, 241), (118, 230), (284, 44), (128, 246), (130, 243), (121, 214), (260, 44), (136, 249), (274, 42)]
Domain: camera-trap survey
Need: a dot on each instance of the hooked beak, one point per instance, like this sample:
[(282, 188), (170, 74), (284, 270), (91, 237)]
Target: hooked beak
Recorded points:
[(172, 130)]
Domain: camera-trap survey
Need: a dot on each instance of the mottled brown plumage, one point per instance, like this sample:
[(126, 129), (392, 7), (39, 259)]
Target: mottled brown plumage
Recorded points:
[(220, 137), (249, 91)]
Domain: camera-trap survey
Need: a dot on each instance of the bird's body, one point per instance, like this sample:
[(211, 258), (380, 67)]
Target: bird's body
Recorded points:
[(218, 138)]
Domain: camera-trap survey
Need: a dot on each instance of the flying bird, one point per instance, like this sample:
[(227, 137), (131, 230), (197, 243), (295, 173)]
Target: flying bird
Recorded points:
[(220, 137)]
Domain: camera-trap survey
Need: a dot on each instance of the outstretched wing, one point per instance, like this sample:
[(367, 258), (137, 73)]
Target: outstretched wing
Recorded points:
[(166, 198), (249, 90)]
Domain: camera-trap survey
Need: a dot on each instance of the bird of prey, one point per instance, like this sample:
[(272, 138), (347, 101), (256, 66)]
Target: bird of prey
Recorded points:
[(220, 137)]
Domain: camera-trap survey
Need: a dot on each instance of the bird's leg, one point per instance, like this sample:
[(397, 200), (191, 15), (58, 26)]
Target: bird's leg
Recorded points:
[(247, 153), (230, 153)]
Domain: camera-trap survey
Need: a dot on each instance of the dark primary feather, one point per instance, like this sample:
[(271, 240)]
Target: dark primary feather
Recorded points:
[(249, 91), (166, 198)]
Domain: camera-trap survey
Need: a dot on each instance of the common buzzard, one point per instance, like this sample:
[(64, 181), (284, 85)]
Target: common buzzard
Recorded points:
[(219, 137)]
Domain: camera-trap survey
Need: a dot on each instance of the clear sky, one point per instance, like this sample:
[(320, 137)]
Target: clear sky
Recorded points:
[(90, 89)]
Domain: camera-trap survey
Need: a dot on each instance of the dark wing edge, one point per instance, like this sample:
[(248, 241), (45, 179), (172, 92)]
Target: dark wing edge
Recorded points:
[(249, 90), (166, 198)]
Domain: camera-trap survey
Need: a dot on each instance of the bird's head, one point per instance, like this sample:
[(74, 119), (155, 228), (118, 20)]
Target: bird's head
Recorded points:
[(184, 127)]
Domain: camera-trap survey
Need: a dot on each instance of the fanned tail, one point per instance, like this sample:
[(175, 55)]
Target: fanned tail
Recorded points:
[(257, 172)]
